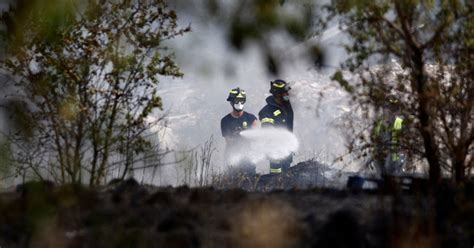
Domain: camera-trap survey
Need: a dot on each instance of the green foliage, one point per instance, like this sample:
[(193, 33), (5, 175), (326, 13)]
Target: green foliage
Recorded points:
[(258, 21), (89, 76), (45, 19), (342, 82), (431, 43), (5, 159)]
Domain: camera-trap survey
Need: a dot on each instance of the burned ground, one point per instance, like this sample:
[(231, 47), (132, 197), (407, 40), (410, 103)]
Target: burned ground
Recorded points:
[(127, 214)]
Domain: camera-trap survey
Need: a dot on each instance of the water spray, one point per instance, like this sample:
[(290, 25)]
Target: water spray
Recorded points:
[(264, 144)]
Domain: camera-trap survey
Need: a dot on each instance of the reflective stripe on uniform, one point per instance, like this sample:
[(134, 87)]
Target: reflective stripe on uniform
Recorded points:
[(272, 170), (277, 112), (268, 120), (397, 124), (234, 92), (395, 157)]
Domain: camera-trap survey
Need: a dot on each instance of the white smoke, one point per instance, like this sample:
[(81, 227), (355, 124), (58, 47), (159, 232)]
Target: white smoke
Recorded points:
[(195, 104), (266, 143)]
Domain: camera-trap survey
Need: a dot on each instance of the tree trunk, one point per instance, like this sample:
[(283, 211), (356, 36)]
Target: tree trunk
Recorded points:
[(426, 129), (458, 164), (459, 171)]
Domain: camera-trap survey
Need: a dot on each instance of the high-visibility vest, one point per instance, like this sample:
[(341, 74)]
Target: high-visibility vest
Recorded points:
[(389, 135)]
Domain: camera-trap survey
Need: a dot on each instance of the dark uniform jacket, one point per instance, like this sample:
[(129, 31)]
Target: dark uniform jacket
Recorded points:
[(275, 115), (236, 144), (278, 116), (231, 128)]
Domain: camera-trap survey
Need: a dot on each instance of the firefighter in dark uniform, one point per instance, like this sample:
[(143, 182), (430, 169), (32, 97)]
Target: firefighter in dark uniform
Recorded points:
[(278, 113), (231, 126), (386, 137)]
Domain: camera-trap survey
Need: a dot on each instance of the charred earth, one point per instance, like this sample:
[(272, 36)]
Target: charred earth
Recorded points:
[(283, 211)]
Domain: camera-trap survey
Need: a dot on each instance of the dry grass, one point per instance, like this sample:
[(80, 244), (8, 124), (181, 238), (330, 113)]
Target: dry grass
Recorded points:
[(267, 223)]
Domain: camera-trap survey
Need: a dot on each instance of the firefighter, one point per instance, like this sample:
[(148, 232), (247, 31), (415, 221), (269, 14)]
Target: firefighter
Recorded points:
[(231, 126), (278, 113), (386, 136)]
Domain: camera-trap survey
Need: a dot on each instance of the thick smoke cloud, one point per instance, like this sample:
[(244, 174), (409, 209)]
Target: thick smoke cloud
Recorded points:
[(196, 103)]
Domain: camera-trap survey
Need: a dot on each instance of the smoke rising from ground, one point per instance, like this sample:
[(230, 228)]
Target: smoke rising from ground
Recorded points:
[(265, 143), (195, 104)]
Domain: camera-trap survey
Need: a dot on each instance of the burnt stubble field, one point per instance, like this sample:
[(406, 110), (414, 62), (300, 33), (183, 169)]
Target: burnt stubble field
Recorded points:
[(272, 214)]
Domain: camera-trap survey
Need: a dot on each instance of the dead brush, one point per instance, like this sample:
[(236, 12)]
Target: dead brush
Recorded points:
[(267, 223)]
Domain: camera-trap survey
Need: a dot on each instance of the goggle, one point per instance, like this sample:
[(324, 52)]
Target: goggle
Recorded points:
[(239, 100)]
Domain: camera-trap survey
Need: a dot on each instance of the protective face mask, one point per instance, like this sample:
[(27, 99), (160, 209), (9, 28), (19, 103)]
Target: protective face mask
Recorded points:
[(239, 106), (286, 98)]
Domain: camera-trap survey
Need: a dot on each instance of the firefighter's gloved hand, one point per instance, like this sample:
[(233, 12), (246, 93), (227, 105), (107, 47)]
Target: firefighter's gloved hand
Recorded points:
[(237, 131)]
